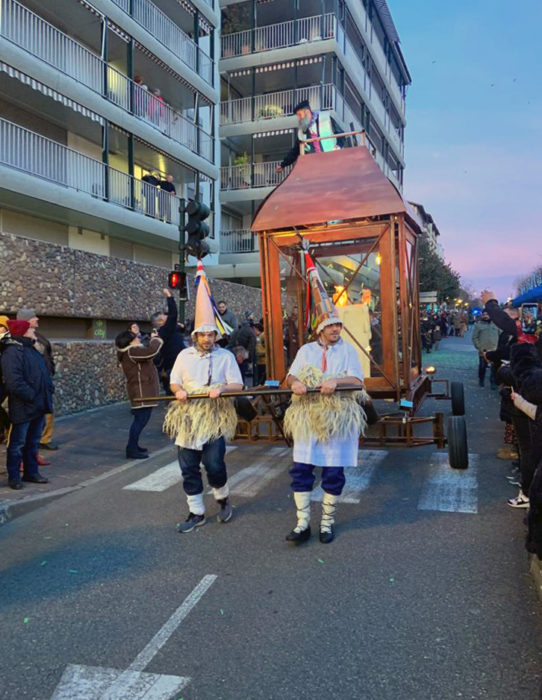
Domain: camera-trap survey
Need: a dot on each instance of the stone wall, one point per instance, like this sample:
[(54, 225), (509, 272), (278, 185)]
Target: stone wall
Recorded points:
[(87, 375), (61, 281)]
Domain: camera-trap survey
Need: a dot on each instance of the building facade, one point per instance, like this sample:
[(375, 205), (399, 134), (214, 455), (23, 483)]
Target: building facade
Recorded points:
[(428, 226), (341, 55), (99, 102)]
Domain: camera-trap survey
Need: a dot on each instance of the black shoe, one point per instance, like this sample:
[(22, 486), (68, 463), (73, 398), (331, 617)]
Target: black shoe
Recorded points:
[(142, 449), (48, 446), (327, 536), (191, 523), (136, 454), (36, 479), (16, 484), (298, 537)]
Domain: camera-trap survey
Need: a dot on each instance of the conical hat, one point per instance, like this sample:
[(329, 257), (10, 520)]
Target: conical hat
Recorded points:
[(204, 319), (324, 309)]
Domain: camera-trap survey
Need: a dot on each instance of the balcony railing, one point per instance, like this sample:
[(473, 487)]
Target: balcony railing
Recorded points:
[(24, 150), (164, 30), (239, 241), (278, 36), (30, 32), (241, 177), (275, 104)]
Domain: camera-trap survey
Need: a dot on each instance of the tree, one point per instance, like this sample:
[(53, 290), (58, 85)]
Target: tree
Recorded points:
[(436, 274)]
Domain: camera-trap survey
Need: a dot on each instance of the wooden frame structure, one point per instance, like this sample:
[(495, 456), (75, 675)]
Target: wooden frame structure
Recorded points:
[(339, 204)]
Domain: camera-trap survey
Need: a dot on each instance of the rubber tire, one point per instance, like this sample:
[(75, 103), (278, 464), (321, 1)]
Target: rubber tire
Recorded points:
[(457, 394), (458, 449)]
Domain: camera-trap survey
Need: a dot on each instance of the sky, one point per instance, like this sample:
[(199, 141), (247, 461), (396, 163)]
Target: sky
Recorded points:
[(473, 141)]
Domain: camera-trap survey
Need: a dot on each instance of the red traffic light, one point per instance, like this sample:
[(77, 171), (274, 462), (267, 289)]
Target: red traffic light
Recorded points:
[(175, 280)]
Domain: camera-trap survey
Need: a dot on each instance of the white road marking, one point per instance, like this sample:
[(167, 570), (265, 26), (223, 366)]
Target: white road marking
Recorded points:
[(357, 478), (450, 490), (96, 683), (163, 478), (249, 481)]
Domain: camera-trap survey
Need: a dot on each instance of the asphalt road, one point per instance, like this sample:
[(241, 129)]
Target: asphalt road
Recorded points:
[(407, 603)]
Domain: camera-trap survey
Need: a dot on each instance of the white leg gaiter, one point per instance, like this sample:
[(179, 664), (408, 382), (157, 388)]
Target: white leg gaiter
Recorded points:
[(328, 512), (222, 492), (303, 503), (195, 504)]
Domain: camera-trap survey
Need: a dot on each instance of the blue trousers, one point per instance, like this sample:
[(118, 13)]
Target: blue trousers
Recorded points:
[(333, 479), (141, 418), (24, 441), (212, 458)]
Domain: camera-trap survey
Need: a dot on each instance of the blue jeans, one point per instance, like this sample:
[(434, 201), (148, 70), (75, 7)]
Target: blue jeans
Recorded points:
[(141, 418), (212, 458), (333, 478), (24, 441)]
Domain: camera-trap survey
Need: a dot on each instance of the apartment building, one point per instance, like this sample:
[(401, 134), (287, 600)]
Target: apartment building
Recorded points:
[(99, 101), (343, 56), (428, 227)]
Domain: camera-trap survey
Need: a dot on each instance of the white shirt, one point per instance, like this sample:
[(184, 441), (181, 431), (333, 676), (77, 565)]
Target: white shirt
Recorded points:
[(341, 358), (194, 369)]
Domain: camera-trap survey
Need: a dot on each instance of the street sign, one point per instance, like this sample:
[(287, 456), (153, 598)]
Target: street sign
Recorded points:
[(428, 297), (98, 683)]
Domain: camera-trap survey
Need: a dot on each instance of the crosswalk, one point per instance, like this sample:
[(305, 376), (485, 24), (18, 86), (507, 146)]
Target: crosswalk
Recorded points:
[(442, 489)]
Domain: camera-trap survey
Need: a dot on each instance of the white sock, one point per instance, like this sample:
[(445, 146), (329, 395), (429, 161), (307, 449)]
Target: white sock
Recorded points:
[(195, 504), (222, 492), (329, 502), (303, 503)]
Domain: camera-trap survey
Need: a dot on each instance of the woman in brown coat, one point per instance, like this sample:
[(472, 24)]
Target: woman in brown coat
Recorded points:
[(137, 364)]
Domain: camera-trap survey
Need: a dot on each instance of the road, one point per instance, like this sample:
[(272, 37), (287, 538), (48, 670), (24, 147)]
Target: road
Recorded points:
[(425, 593)]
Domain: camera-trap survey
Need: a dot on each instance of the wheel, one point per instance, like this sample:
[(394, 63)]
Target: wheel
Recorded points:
[(458, 450), (458, 398)]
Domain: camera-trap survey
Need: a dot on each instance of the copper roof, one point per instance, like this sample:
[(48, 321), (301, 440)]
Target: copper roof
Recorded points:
[(340, 185)]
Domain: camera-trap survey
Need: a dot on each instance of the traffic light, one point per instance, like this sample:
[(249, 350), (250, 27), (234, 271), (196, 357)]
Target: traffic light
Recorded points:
[(196, 229), (177, 280)]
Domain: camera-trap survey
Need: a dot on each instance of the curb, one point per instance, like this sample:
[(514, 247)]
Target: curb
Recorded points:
[(535, 567), (11, 510)]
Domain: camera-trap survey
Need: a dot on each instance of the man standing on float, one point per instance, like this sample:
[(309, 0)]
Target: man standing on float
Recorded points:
[(325, 426)]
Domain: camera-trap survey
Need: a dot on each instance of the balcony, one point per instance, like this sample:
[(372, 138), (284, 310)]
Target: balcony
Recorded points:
[(279, 36), (276, 104), (26, 151), (164, 30), (44, 41), (242, 177), (239, 241)]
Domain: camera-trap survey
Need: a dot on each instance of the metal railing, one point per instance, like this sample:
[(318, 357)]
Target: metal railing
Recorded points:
[(240, 177), (164, 30), (238, 241), (32, 33), (24, 150), (275, 104), (278, 36)]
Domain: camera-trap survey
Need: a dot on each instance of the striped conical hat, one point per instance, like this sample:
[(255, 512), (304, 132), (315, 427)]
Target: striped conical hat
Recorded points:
[(324, 309)]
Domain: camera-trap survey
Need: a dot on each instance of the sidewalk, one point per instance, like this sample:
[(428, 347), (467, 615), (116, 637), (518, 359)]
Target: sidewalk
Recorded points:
[(91, 443)]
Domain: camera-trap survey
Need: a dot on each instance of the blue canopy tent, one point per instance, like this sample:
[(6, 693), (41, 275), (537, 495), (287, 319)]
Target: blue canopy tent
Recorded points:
[(531, 296)]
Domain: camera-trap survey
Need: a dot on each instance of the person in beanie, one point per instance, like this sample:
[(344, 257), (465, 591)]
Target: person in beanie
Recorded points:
[(29, 388), (325, 427), (137, 362), (311, 125), (44, 346), (201, 426)]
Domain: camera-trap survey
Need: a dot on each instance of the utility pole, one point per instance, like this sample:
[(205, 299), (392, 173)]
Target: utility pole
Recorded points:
[(182, 253)]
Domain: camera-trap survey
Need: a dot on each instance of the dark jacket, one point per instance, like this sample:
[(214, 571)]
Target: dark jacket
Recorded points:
[(246, 337), (509, 325), (141, 375), (171, 334), (293, 153), (26, 379), (44, 346)]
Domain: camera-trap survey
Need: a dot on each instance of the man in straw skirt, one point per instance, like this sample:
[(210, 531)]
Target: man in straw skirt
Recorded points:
[(325, 426), (201, 426)]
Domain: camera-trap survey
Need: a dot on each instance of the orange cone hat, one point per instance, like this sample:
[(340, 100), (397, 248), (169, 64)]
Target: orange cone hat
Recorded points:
[(204, 319), (324, 310)]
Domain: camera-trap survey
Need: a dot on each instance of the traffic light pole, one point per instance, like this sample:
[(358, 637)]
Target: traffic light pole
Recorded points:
[(182, 218)]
